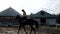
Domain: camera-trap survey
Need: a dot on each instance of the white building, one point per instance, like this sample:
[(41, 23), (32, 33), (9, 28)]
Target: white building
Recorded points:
[(44, 18)]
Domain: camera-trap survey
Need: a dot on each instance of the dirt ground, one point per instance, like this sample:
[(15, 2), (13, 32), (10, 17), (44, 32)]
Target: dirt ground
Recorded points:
[(13, 30)]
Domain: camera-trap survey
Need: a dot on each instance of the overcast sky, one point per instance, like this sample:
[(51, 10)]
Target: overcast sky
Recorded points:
[(32, 6)]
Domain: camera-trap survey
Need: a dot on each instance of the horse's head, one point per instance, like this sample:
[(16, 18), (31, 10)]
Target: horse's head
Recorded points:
[(18, 17)]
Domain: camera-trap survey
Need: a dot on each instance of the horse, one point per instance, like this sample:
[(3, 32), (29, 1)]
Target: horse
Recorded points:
[(23, 21)]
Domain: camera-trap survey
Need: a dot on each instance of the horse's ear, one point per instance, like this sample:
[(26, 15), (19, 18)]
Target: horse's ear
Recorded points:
[(17, 16)]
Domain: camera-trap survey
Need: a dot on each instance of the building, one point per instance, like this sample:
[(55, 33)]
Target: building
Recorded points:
[(44, 18), (7, 17)]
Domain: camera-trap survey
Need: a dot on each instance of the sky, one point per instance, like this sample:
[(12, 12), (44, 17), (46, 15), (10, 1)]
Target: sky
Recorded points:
[(31, 6)]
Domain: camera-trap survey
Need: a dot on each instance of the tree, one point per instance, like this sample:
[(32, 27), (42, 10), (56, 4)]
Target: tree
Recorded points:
[(58, 18)]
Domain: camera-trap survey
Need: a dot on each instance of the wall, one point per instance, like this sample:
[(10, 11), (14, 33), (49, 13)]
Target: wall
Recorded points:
[(51, 21)]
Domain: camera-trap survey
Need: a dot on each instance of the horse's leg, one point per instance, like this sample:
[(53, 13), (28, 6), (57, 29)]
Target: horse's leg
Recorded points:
[(32, 28), (18, 30), (25, 30), (31, 31)]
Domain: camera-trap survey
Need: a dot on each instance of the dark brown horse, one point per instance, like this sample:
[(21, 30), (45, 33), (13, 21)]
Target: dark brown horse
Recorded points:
[(23, 21)]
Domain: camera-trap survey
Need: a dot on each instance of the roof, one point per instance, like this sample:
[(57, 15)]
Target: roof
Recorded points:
[(42, 14), (9, 12)]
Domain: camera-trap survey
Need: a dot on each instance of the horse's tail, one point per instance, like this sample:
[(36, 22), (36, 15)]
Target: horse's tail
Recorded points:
[(36, 24)]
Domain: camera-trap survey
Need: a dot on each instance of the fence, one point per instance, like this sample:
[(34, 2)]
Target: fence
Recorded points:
[(57, 25)]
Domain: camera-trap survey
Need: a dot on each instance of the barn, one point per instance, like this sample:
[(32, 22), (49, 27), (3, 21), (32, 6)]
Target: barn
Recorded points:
[(7, 17), (44, 18)]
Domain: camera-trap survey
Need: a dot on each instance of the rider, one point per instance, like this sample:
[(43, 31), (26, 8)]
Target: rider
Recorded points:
[(24, 15)]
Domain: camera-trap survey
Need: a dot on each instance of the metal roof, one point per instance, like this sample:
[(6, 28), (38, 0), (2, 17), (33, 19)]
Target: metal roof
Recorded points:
[(9, 12), (42, 14)]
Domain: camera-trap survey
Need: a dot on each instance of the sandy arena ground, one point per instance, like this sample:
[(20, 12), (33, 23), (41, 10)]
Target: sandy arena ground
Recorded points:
[(13, 30)]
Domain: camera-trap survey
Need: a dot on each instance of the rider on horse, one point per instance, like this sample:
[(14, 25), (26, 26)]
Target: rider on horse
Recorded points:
[(23, 21)]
